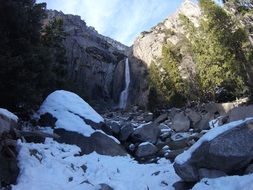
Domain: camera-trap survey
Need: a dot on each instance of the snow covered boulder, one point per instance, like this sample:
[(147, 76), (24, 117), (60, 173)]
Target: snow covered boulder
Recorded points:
[(76, 122), (70, 112), (8, 121), (227, 149)]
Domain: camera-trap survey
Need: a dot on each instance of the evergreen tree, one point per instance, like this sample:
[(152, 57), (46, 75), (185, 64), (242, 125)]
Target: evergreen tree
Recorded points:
[(166, 85), (27, 72), (217, 49)]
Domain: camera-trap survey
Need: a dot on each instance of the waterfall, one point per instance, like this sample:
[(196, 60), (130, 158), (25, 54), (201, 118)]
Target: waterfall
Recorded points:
[(124, 93)]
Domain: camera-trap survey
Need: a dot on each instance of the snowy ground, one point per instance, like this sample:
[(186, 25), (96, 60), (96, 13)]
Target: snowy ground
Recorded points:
[(53, 166)]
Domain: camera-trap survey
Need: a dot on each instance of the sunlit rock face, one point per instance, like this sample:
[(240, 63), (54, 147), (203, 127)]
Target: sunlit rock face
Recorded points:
[(148, 46)]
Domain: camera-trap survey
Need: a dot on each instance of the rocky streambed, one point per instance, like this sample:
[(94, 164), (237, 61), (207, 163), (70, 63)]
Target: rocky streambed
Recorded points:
[(190, 148)]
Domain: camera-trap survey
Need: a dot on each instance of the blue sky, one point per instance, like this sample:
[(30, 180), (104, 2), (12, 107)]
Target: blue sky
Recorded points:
[(122, 20)]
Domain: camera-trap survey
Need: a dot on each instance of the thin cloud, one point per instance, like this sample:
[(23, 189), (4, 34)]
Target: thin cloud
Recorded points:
[(120, 20)]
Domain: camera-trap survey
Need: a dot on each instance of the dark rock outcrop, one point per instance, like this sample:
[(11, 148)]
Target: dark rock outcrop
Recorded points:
[(146, 133), (98, 142), (9, 170), (92, 58)]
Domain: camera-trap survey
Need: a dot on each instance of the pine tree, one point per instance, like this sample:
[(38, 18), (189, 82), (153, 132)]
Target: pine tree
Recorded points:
[(217, 52), (28, 64)]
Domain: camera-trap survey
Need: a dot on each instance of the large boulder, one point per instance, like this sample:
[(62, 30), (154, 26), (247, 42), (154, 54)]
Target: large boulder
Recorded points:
[(76, 122), (126, 131), (8, 121), (180, 122), (227, 149), (193, 116), (241, 112), (146, 133), (98, 142), (9, 170)]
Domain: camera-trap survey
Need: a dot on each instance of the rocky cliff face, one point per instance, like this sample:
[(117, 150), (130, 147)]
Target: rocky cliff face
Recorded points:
[(92, 58), (148, 46)]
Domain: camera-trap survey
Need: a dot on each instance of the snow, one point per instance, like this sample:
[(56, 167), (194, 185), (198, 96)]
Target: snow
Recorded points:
[(145, 143), (186, 155), (8, 114), (142, 125), (53, 166), (70, 111), (224, 183)]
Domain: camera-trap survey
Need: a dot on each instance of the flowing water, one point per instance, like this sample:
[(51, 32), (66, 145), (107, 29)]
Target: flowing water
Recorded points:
[(124, 93)]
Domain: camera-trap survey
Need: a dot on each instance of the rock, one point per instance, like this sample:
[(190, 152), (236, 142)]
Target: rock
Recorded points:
[(165, 136), (115, 127), (148, 117), (98, 142), (241, 112), (193, 116), (146, 149), (180, 122), (180, 136), (175, 145), (249, 169), (131, 147), (126, 131), (47, 120), (161, 118), (91, 58), (164, 127), (206, 173), (146, 133), (174, 153), (229, 152), (8, 121), (9, 170), (104, 186), (204, 122)]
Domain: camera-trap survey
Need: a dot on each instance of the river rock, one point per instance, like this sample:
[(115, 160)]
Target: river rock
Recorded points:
[(146, 149), (146, 133), (126, 131), (161, 118), (180, 122), (193, 116)]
